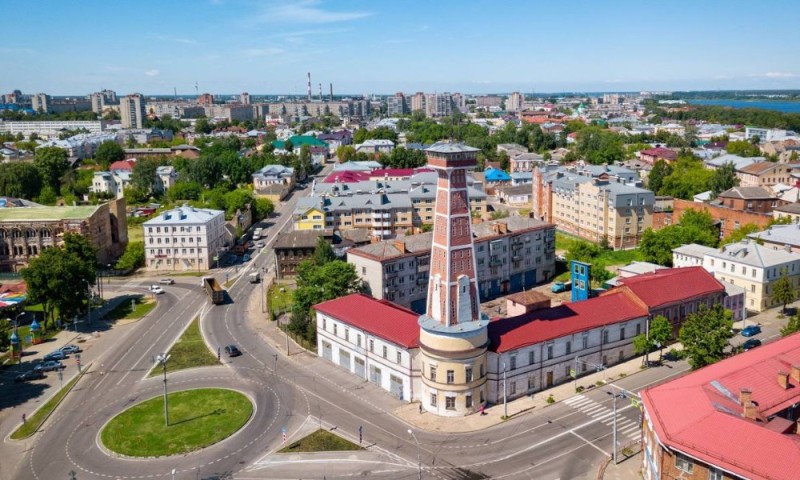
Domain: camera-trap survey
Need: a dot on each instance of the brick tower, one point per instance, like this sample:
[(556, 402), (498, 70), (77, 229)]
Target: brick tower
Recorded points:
[(453, 334)]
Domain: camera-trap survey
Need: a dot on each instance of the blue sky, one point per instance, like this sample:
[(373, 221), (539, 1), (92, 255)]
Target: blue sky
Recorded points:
[(473, 46)]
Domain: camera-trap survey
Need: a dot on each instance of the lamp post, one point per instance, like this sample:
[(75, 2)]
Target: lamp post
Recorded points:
[(505, 393), (622, 394), (419, 458), (162, 360)]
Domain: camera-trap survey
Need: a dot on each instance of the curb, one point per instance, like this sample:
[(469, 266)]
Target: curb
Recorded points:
[(601, 472)]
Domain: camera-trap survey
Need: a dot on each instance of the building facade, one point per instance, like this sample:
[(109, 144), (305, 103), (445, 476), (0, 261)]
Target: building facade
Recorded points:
[(132, 111), (184, 238)]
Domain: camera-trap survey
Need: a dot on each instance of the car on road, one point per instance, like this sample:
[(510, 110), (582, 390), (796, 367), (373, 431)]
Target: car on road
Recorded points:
[(57, 355), (70, 349), (750, 344), (166, 281), (751, 330), (245, 258), (29, 376), (232, 351), (155, 289), (260, 244), (49, 366)]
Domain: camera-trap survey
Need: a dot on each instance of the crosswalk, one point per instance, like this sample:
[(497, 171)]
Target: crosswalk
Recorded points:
[(625, 427)]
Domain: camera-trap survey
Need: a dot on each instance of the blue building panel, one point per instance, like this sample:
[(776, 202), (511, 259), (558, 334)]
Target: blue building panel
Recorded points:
[(580, 273)]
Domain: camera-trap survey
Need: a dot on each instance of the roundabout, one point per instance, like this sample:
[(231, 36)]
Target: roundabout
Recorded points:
[(198, 418)]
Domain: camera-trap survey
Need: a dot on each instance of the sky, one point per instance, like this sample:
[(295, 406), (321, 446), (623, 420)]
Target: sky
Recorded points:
[(384, 46)]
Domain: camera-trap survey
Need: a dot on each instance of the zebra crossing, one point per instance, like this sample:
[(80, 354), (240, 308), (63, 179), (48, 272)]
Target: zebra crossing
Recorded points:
[(625, 427)]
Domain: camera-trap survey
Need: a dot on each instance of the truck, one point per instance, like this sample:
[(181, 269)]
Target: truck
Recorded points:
[(254, 277), (560, 286), (215, 292)]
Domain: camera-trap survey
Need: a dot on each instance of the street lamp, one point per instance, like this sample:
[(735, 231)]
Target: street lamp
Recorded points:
[(419, 458), (162, 360)]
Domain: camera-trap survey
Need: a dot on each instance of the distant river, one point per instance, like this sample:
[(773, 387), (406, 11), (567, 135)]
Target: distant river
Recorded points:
[(781, 106)]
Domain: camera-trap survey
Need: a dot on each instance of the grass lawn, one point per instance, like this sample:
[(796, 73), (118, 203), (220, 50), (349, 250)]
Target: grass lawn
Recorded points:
[(197, 419), (189, 351), (35, 421), (135, 233), (127, 311), (320, 441), (607, 257), (280, 301)]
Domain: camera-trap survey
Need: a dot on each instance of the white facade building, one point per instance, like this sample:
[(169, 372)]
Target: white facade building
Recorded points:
[(51, 129), (184, 238)]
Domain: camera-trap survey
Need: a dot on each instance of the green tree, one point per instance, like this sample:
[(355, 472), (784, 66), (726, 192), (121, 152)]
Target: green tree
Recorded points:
[(346, 153), (206, 170), (642, 345), (323, 253), (705, 335), (108, 153), (743, 148), (782, 290), (203, 126), (20, 179), (687, 178), (47, 196), (599, 146), (655, 179), (5, 333), (144, 174), (133, 257), (183, 190), (263, 208), (52, 162), (792, 326), (660, 333), (237, 200), (741, 233), (582, 251), (723, 179)]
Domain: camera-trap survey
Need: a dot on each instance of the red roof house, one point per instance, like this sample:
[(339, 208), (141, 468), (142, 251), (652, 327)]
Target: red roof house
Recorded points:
[(122, 166), (381, 318), (652, 155)]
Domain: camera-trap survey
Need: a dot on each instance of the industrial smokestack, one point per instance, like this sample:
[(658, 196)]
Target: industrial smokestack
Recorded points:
[(331, 96), (320, 92), (309, 86)]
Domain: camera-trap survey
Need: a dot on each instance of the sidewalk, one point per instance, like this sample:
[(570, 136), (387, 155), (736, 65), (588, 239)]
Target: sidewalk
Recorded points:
[(630, 468)]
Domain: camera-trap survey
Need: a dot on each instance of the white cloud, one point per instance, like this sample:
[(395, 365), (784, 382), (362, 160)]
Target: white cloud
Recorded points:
[(165, 38), (263, 52), (306, 11), (774, 75), (152, 73)]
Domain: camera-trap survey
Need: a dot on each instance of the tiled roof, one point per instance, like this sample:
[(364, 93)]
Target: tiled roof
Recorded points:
[(758, 168), (664, 287), (122, 165), (346, 176), (700, 413), (551, 323), (380, 318), (660, 152), (747, 193)]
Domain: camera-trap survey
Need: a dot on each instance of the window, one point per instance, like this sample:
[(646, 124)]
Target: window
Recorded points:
[(513, 362), (683, 463), (531, 357), (450, 403), (433, 372), (531, 383), (358, 339), (714, 474), (385, 352), (512, 389), (433, 400), (585, 341), (468, 374), (347, 334), (569, 347), (638, 329), (482, 373), (469, 400), (605, 336), (752, 288), (372, 345), (335, 329), (622, 333), (451, 376), (550, 352)]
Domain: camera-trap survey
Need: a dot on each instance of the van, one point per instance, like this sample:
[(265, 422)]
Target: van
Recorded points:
[(257, 233)]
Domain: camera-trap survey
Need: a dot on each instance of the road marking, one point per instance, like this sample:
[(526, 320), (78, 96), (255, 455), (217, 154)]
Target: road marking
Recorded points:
[(590, 443)]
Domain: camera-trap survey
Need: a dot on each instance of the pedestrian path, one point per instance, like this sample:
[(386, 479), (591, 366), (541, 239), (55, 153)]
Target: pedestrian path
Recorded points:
[(625, 427)]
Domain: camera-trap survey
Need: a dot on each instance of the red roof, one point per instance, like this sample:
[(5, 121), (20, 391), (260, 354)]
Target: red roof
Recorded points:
[(379, 173), (122, 165), (346, 176), (700, 413), (551, 323), (379, 317), (672, 285), (660, 152)]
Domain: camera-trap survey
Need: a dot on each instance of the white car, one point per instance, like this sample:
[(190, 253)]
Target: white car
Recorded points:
[(260, 244), (155, 289)]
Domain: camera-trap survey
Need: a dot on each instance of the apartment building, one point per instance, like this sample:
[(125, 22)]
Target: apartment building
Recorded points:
[(184, 238), (791, 211), (132, 111), (749, 199), (767, 174), (593, 206), (230, 112), (51, 129), (512, 254), (418, 102), (396, 105), (384, 215), (515, 102), (742, 422)]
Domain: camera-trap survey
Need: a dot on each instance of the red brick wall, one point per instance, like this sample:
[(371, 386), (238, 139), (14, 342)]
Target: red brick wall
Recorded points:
[(727, 216), (661, 220)]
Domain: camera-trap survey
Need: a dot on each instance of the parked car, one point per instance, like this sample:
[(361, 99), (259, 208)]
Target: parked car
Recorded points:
[(559, 287), (49, 366), (245, 258), (29, 375), (750, 344), (260, 244), (57, 355), (156, 289), (232, 351), (166, 281), (70, 349), (751, 330)]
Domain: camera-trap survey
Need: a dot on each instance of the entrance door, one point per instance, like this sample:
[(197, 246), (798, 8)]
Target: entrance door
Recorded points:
[(327, 353), (344, 359), (549, 379), (375, 375), (396, 386), (359, 365)]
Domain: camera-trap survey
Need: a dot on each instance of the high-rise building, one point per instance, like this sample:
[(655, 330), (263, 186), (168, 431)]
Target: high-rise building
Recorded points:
[(205, 99), (40, 102), (98, 102), (244, 98), (131, 109), (459, 101), (453, 331), (515, 102), (418, 102), (396, 105)]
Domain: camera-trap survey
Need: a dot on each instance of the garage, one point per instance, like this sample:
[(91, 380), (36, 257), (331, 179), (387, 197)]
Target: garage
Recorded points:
[(344, 359), (327, 352), (375, 375), (360, 369), (396, 386)]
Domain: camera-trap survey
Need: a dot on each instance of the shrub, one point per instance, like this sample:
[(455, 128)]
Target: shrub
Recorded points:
[(550, 399)]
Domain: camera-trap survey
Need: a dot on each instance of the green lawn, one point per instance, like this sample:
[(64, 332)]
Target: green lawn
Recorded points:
[(135, 233), (280, 301), (127, 311), (188, 352), (320, 441), (607, 257), (197, 419), (35, 421)]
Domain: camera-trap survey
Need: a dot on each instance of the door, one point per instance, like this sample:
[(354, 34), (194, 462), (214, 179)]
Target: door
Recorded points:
[(549, 379), (359, 365), (344, 359), (375, 375), (327, 353), (396, 386)]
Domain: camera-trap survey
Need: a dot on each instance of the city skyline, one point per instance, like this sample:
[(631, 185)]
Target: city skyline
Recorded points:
[(362, 47)]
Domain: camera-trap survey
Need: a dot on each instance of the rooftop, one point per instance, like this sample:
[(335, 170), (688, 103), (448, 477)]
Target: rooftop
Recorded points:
[(46, 213), (694, 250), (785, 234), (444, 147), (701, 413), (184, 215), (748, 252), (383, 319), (673, 285), (299, 239), (748, 193)]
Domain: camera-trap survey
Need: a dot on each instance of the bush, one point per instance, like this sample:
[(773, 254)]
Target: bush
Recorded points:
[(550, 400), (579, 390)]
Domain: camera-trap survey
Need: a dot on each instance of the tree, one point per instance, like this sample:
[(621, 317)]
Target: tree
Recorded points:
[(20, 179), (133, 257), (202, 126), (237, 200), (52, 162), (782, 290), (346, 153), (599, 146), (47, 196), (723, 178), (660, 333), (742, 148), (144, 174), (108, 153), (5, 333), (655, 179), (741, 233), (206, 171), (323, 253), (182, 190), (687, 178), (642, 345), (792, 326), (263, 208), (705, 335)]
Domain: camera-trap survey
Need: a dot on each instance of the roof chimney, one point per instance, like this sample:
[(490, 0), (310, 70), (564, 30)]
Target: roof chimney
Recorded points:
[(783, 379), (745, 396), (795, 373)]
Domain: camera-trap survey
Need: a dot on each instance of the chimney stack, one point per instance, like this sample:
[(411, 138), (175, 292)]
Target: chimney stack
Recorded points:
[(330, 97), (795, 373), (783, 379), (309, 86), (745, 396)]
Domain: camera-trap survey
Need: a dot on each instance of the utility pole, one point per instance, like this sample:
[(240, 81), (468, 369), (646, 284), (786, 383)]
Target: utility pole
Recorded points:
[(505, 393), (615, 429), (162, 359)]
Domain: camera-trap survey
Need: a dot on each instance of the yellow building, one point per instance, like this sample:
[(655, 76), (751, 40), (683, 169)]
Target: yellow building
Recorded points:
[(309, 219)]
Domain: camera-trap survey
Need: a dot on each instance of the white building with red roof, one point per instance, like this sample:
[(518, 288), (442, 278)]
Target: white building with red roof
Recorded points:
[(735, 419)]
